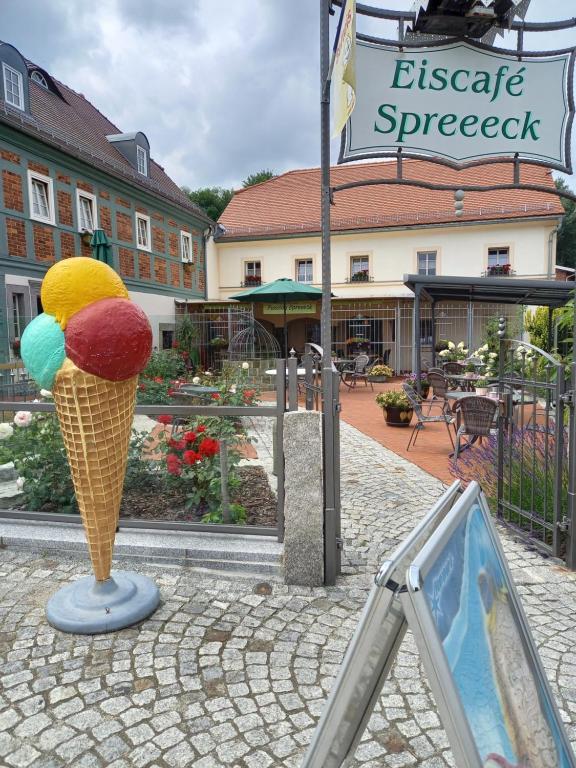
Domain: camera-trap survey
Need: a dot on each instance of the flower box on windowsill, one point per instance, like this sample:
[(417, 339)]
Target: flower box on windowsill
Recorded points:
[(499, 270), (251, 281), (361, 277)]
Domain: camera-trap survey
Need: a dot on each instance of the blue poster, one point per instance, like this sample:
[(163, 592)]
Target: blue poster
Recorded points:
[(509, 711)]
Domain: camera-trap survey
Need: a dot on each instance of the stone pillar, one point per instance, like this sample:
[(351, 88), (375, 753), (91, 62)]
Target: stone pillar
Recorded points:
[(303, 499)]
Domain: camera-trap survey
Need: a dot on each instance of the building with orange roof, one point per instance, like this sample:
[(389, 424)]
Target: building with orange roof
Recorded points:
[(379, 233)]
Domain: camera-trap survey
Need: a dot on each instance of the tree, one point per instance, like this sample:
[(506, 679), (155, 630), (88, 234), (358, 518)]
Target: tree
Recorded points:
[(257, 178), (566, 239), (212, 200)]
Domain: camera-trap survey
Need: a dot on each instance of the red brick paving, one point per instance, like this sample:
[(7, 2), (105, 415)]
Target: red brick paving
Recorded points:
[(359, 409)]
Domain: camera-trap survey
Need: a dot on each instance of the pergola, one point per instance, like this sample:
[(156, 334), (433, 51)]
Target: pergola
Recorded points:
[(499, 290)]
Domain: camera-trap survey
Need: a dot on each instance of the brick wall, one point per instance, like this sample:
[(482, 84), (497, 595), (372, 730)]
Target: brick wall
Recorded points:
[(65, 208), (160, 270), (187, 273), (126, 259), (173, 244), (10, 157), (67, 245), (105, 220), (16, 236), (43, 244), (12, 183), (144, 268), (175, 275), (39, 168), (158, 240), (124, 227), (85, 187)]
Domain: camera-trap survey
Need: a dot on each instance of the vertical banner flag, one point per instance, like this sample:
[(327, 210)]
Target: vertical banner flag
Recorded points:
[(344, 69)]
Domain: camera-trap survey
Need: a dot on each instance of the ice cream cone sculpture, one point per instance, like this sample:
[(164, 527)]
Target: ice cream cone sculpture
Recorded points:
[(88, 348)]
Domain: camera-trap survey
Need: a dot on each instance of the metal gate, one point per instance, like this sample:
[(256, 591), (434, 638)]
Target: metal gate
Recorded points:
[(533, 440)]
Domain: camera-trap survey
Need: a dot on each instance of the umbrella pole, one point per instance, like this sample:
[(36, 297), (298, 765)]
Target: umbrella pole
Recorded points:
[(285, 333)]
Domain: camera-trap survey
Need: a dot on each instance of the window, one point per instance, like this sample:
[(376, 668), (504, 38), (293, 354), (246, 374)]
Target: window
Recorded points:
[(41, 197), (186, 247), (498, 256), (252, 275), (87, 218), (304, 270), (13, 90), (39, 78), (426, 262), (143, 231), (426, 330), (141, 160), (359, 264)]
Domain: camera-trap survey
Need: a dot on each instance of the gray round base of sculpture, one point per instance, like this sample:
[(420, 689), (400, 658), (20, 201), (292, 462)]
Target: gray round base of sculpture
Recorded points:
[(90, 607)]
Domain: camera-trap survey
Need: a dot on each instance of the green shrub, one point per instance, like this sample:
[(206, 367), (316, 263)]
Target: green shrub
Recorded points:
[(165, 364)]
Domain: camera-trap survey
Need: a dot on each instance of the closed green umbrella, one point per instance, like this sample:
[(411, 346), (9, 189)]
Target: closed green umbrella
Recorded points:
[(100, 246), (279, 292)]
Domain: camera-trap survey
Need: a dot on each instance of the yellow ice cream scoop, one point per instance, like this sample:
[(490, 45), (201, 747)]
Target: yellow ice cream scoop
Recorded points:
[(70, 285)]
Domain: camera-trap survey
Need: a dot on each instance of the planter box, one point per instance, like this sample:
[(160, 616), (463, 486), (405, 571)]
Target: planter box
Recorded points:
[(379, 379), (397, 415)]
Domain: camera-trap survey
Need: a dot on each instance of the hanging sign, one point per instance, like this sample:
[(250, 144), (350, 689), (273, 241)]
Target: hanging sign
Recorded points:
[(300, 308), (461, 102)]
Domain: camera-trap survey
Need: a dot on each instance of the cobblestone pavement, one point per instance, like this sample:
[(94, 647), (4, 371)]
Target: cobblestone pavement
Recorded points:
[(234, 672)]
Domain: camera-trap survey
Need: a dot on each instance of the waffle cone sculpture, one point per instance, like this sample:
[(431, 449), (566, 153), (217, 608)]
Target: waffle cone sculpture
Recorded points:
[(95, 418), (88, 347)]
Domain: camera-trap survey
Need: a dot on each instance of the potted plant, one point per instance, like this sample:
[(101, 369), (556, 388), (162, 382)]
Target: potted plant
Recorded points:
[(396, 407), (470, 370), (380, 373), (86, 236), (481, 387), (424, 384)]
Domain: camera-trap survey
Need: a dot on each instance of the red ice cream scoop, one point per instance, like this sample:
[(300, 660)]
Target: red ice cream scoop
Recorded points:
[(110, 338)]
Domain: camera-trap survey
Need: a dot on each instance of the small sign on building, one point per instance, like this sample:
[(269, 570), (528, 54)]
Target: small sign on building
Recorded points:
[(292, 308), (461, 102)]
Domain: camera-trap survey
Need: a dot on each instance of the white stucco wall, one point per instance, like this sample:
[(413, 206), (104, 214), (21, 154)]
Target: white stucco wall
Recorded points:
[(160, 310), (461, 250)]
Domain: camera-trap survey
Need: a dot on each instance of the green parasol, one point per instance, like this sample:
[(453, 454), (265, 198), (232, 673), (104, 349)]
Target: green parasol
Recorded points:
[(279, 292), (100, 246)]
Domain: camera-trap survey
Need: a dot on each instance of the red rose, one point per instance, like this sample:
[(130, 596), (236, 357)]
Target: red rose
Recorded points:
[(158, 379), (175, 345), (142, 387), (178, 445), (164, 419), (190, 437), (173, 464), (215, 396), (209, 447), (191, 457), (201, 428)]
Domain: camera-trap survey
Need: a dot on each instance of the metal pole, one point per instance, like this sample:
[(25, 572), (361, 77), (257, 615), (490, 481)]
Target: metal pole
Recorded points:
[(571, 513), (433, 312), (503, 412), (330, 522), (416, 332), (550, 341)]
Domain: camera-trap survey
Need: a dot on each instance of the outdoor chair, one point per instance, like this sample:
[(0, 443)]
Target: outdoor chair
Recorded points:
[(422, 418), (439, 385), (477, 416), (358, 373), (452, 367)]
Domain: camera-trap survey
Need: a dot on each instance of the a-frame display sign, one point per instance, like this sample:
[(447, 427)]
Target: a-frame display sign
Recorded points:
[(450, 584)]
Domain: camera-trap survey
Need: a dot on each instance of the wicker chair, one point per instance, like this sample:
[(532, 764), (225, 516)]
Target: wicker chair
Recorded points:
[(439, 385), (422, 419), (358, 373), (477, 415), (453, 367)]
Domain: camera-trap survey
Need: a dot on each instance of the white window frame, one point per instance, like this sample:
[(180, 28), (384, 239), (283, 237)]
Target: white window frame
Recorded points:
[(146, 220), (500, 249), (307, 261), (34, 176), (92, 198), (141, 154), (5, 69), (253, 271), (359, 258), (427, 254), (186, 237)]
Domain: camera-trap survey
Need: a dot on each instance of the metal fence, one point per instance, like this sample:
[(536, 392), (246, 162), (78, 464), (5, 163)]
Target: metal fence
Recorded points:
[(533, 440), (180, 414)]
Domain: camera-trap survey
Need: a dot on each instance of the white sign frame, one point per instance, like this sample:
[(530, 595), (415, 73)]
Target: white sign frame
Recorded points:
[(523, 93)]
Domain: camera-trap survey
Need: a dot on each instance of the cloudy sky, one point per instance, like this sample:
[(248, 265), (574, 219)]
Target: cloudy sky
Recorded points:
[(222, 88)]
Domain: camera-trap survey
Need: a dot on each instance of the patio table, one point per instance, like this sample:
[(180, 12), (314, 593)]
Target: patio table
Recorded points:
[(469, 380)]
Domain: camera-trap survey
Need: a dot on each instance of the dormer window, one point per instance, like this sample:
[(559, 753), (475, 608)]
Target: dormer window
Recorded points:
[(39, 78), (142, 161), (13, 89)]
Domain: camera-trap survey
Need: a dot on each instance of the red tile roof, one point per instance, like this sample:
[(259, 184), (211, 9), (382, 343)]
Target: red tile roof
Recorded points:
[(290, 203), (74, 125)]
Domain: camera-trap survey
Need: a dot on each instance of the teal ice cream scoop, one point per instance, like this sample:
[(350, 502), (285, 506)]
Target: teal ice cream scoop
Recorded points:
[(42, 349)]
